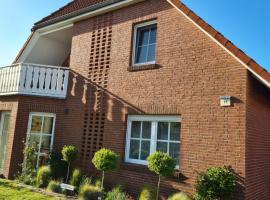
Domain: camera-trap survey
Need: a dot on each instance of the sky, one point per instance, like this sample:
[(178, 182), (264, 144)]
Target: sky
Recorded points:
[(245, 22)]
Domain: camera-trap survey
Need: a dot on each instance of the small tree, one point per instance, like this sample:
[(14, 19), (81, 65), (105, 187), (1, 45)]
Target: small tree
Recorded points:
[(217, 183), (162, 164), (105, 160), (69, 155)]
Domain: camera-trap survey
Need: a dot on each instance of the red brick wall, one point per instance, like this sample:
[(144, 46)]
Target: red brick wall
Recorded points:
[(9, 104), (193, 72), (257, 141)]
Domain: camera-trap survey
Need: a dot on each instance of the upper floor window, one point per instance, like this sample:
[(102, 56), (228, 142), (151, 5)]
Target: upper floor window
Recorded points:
[(144, 44)]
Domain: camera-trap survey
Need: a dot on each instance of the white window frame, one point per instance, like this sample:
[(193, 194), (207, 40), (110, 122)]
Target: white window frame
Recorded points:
[(134, 50), (1, 134), (41, 114), (154, 122)]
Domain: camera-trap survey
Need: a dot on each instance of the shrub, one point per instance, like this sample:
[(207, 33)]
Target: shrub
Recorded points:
[(69, 155), (76, 178), (43, 176), (89, 192), (179, 196), (54, 186), (215, 183), (162, 164), (86, 180), (98, 182), (28, 175), (116, 194), (57, 164), (105, 160), (147, 193)]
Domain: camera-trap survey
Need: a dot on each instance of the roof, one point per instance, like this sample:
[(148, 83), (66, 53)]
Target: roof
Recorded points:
[(221, 39), (71, 9), (78, 7)]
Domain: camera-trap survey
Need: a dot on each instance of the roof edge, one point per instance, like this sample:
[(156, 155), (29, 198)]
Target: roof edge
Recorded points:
[(76, 13), (261, 73)]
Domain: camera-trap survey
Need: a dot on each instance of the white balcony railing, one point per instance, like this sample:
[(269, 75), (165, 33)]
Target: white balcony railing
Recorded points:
[(35, 80)]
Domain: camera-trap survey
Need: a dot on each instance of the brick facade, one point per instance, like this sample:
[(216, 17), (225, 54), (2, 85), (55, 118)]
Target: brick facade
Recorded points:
[(190, 75)]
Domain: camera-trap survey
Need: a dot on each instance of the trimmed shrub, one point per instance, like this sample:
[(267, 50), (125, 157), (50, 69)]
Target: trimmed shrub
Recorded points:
[(58, 165), (215, 183), (162, 164), (179, 196), (76, 178), (43, 176), (116, 194), (54, 186), (69, 154), (89, 192), (105, 160), (98, 182), (147, 193)]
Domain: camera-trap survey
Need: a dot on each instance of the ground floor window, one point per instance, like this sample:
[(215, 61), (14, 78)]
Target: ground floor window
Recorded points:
[(4, 129), (147, 134), (40, 135)]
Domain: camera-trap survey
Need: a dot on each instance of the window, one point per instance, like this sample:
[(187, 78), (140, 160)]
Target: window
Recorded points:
[(4, 130), (147, 134), (144, 44), (40, 135)]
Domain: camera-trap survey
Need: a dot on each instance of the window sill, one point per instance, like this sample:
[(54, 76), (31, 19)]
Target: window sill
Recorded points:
[(142, 67)]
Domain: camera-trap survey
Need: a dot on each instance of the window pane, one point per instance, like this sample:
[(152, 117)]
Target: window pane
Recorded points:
[(153, 34), (145, 149), (34, 141), (47, 126), (174, 151), (151, 53), (45, 142), (162, 131), (162, 146), (141, 56), (143, 36), (135, 129), (134, 149), (175, 131), (36, 124), (146, 130)]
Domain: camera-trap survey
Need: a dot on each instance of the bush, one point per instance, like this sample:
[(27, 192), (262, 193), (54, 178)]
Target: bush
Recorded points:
[(98, 182), (89, 192), (57, 164), (69, 155), (116, 194), (76, 178), (54, 186), (162, 164), (179, 196), (43, 176), (86, 180), (215, 183), (105, 160), (28, 175), (147, 193)]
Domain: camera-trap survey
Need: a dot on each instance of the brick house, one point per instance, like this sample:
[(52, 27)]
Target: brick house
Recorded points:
[(137, 76)]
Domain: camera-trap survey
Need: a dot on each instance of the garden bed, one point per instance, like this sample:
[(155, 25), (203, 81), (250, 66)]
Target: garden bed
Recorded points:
[(10, 190)]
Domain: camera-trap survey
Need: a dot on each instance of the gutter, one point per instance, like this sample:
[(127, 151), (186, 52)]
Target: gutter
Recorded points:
[(82, 11)]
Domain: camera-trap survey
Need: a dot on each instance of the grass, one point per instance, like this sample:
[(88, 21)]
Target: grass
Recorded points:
[(10, 190)]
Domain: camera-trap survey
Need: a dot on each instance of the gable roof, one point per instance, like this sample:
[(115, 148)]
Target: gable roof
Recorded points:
[(250, 64), (74, 8), (79, 7)]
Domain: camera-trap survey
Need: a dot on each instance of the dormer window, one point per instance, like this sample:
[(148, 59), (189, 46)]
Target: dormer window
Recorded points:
[(144, 44)]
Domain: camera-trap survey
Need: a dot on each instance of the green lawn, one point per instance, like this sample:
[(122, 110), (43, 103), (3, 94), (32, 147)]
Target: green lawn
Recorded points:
[(10, 190)]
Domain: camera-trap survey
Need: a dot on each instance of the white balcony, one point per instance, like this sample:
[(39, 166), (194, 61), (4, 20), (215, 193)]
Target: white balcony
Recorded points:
[(34, 80)]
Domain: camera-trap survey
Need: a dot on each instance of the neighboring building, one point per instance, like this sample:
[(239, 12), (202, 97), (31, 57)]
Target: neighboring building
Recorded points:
[(138, 76)]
